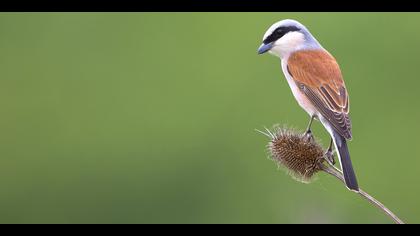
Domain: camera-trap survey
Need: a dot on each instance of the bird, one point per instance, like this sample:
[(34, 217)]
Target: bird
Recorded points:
[(317, 84)]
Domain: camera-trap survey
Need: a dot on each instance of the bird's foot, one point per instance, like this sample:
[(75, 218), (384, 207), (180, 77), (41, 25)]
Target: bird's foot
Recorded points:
[(329, 156), (308, 135)]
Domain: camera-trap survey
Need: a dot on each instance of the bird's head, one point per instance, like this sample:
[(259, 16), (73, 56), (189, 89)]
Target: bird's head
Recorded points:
[(285, 37)]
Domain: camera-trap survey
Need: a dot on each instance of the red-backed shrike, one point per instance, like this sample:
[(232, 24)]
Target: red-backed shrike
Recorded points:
[(317, 84)]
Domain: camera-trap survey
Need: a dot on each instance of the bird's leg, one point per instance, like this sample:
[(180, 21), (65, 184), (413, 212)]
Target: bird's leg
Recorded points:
[(329, 155), (308, 132)]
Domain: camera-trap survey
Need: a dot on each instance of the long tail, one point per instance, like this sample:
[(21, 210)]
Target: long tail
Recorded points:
[(344, 157)]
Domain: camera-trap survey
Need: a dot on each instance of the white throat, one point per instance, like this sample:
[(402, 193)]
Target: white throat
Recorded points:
[(288, 44)]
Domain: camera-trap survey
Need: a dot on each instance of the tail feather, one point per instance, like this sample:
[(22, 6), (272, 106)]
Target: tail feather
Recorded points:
[(346, 165)]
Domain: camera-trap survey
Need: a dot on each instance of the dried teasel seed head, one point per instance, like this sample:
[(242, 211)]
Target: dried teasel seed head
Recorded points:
[(300, 155)]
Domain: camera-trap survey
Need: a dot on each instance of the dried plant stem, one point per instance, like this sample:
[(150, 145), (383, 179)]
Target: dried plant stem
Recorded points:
[(332, 170)]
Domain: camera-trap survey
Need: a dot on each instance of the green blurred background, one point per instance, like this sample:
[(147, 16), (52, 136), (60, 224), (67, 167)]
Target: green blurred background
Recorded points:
[(150, 118)]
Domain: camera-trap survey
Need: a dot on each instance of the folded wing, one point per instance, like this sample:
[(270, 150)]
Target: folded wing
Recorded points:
[(318, 76)]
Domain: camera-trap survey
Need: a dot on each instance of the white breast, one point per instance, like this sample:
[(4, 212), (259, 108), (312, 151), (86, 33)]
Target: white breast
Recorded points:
[(299, 96)]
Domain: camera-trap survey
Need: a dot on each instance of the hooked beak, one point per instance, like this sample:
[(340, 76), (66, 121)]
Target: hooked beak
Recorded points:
[(265, 47)]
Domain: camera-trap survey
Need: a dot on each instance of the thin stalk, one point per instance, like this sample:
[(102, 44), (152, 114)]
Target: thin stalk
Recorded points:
[(332, 170)]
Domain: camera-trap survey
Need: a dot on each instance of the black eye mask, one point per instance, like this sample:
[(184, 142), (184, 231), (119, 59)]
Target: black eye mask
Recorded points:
[(279, 32)]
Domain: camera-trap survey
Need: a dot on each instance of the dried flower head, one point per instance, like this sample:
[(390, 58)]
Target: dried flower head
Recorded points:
[(300, 155), (304, 157)]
